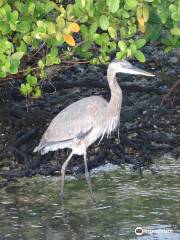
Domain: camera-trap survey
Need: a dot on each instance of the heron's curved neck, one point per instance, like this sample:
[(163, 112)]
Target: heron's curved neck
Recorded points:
[(116, 92)]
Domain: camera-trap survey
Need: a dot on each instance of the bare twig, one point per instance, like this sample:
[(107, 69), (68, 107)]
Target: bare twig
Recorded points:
[(41, 47), (19, 141), (21, 72), (170, 92)]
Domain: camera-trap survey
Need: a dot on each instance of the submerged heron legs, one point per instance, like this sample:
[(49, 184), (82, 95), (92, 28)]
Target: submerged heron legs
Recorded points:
[(88, 178), (63, 170)]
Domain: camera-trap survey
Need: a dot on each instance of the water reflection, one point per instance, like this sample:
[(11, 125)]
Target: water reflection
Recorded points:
[(124, 201)]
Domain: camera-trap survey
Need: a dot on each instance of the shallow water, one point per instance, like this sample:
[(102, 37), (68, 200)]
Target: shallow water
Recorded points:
[(31, 209)]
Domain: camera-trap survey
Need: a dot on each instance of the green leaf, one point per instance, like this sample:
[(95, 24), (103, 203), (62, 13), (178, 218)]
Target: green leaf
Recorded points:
[(6, 64), (49, 6), (3, 74), (122, 45), (120, 55), (112, 46), (145, 11), (113, 5), (20, 6), (168, 49), (23, 27), (5, 28), (93, 29), (94, 61), (154, 33), (23, 89), (59, 36), (104, 22), (28, 88), (60, 22), (37, 92), (103, 58), (100, 7), (1, 3), (83, 2), (52, 57), (125, 14), (90, 7), (131, 3), (5, 46), (12, 26), (51, 28), (85, 46), (41, 64), (129, 52), (112, 32), (54, 51), (132, 48), (139, 12), (139, 56), (27, 39), (84, 31), (22, 47), (140, 43), (32, 80), (42, 26), (14, 66), (7, 8), (83, 18), (172, 8), (103, 40), (175, 31), (17, 55), (31, 8), (122, 32), (14, 16)]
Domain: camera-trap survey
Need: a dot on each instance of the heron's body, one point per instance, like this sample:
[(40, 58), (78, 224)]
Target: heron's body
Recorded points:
[(66, 131), (83, 122)]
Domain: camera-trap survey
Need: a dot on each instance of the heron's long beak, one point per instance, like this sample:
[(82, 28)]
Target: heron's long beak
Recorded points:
[(137, 71)]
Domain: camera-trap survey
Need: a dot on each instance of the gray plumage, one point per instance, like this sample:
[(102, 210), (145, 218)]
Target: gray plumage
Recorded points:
[(71, 125), (83, 122)]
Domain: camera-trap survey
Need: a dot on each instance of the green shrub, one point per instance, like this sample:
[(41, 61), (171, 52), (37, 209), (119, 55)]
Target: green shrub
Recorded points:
[(124, 26), (24, 27), (38, 33)]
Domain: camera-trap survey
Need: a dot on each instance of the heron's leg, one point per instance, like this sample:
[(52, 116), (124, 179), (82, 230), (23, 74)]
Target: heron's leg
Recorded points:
[(87, 175), (63, 170)]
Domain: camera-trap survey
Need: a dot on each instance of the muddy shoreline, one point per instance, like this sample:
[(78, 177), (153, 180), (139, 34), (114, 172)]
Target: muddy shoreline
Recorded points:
[(146, 130)]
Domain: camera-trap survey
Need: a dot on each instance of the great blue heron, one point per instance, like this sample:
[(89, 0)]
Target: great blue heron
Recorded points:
[(84, 121)]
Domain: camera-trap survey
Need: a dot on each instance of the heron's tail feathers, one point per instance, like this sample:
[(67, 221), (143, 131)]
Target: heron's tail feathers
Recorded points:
[(45, 147), (39, 148), (36, 149)]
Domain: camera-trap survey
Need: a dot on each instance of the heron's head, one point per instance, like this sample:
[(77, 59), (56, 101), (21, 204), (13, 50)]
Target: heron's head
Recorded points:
[(126, 67)]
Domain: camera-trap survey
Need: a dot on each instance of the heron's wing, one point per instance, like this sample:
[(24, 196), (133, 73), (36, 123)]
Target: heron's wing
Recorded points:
[(74, 121)]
